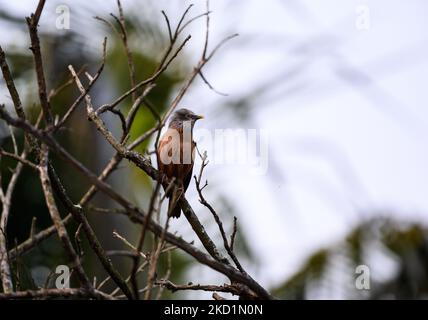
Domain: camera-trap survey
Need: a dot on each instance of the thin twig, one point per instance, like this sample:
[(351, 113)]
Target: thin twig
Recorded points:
[(168, 24), (124, 37), (6, 200), (142, 237), (21, 159), (126, 242), (224, 288), (7, 75), (54, 92), (121, 253), (79, 99), (135, 106), (151, 275), (166, 276), (207, 31), (44, 234), (233, 235), (177, 30), (32, 23), (204, 202), (56, 219), (193, 19), (220, 44), (149, 80), (210, 86), (140, 269)]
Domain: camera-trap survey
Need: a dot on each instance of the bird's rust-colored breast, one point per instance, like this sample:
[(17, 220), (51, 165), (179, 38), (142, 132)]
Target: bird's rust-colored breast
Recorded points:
[(175, 156)]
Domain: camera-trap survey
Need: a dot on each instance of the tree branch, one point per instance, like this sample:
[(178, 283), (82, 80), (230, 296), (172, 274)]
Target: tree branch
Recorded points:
[(6, 200), (56, 218), (241, 281), (224, 288), (56, 293), (32, 23), (204, 202)]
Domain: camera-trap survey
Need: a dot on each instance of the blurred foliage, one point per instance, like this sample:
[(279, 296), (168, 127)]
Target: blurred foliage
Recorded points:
[(294, 287), (402, 243), (61, 49)]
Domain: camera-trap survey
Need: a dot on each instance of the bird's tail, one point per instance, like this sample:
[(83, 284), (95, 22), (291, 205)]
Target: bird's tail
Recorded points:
[(174, 209)]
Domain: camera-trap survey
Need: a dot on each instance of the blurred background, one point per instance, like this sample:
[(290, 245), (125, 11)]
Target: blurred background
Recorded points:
[(340, 89)]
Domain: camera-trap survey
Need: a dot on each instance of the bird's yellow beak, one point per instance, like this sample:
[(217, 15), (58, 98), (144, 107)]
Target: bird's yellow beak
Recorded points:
[(198, 117)]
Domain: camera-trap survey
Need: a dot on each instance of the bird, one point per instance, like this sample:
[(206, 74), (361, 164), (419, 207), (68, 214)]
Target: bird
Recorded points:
[(175, 156)]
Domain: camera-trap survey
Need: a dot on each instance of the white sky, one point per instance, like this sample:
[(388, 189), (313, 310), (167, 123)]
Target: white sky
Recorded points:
[(343, 147)]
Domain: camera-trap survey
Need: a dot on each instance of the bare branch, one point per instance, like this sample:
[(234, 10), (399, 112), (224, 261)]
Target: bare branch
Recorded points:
[(136, 215), (81, 218), (44, 234), (121, 253), (122, 119), (149, 80), (244, 285), (210, 86), (167, 275), (126, 242), (77, 214), (151, 275), (207, 20), (233, 235), (11, 85), (183, 16), (56, 293), (220, 44), (35, 239), (140, 269), (79, 99), (36, 16), (21, 159), (136, 158), (32, 23), (14, 94), (135, 106), (142, 236), (6, 200), (124, 37), (111, 25), (224, 288), (168, 25), (204, 202), (56, 218), (54, 92), (191, 20)]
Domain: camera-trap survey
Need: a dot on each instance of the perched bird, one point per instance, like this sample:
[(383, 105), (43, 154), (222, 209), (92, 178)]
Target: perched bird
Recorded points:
[(175, 155)]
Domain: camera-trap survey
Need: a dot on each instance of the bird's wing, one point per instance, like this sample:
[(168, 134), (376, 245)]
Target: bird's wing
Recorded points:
[(188, 176), (164, 142)]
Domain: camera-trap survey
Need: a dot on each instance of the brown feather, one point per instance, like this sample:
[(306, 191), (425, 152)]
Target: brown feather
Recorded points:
[(181, 171)]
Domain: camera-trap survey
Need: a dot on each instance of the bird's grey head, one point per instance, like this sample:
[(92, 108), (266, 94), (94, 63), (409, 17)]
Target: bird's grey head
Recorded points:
[(182, 115)]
